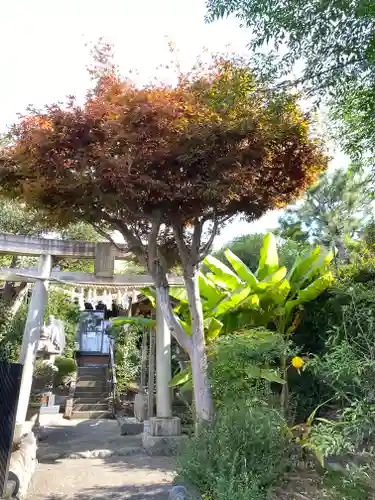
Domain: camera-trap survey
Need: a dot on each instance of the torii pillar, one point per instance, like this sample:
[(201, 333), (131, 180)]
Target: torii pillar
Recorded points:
[(33, 326), (163, 366), (161, 432)]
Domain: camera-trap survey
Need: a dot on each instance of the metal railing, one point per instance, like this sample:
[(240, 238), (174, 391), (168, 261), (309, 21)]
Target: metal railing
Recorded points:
[(112, 377)]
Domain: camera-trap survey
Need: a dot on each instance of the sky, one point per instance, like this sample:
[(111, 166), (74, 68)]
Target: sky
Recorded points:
[(44, 52)]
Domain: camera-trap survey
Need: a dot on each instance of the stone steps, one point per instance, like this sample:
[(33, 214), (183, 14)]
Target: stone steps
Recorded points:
[(86, 391), (91, 394), (90, 399), (84, 415), (92, 383), (94, 378), (90, 406)]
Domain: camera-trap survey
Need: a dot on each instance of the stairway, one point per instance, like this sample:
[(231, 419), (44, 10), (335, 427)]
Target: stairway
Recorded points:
[(91, 393)]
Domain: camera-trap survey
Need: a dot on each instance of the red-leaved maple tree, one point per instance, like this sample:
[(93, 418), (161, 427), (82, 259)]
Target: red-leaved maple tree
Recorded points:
[(166, 166)]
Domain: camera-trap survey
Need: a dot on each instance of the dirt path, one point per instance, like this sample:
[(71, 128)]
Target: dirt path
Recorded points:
[(121, 470)]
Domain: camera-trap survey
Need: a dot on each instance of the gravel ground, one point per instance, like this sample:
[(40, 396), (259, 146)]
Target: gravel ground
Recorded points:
[(134, 477)]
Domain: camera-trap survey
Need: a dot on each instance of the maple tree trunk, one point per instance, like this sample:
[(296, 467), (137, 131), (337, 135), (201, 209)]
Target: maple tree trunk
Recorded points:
[(197, 346), (198, 355)]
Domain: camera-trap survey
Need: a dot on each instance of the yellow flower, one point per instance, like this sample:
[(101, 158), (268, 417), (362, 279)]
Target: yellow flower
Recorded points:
[(297, 362)]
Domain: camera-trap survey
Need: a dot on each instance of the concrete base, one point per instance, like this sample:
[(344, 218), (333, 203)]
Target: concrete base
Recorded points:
[(129, 426), (49, 410), (164, 427), (162, 436), (162, 446)]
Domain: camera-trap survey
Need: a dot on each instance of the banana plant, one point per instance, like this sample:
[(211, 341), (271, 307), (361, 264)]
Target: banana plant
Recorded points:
[(236, 299), (273, 297)]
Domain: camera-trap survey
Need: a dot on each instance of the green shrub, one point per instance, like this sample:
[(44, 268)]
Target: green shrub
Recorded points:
[(66, 367), (339, 327), (11, 332), (241, 456), (341, 487), (348, 369), (341, 312), (233, 359), (43, 376), (127, 355), (350, 433)]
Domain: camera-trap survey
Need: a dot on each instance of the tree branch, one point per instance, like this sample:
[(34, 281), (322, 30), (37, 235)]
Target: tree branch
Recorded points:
[(135, 244), (153, 247), (197, 236), (162, 295), (207, 246), (109, 238), (181, 245)]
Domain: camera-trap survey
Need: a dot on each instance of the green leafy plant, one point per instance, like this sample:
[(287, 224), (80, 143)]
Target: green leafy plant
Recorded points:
[(352, 407), (237, 299), (349, 486), (238, 363), (65, 368), (43, 377), (242, 455), (127, 332), (11, 332)]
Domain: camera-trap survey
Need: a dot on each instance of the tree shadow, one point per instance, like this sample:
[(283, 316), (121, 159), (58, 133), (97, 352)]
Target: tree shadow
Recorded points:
[(141, 461), (127, 491), (61, 440)]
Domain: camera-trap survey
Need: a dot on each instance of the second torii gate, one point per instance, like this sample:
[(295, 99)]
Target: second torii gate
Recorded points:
[(104, 255)]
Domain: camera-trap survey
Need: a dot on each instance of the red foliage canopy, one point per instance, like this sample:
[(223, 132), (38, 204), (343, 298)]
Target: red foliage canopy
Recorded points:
[(214, 145)]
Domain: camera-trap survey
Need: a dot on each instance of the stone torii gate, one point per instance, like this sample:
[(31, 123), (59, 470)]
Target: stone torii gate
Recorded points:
[(104, 255)]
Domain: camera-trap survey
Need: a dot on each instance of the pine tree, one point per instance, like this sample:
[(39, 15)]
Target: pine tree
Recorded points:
[(333, 210)]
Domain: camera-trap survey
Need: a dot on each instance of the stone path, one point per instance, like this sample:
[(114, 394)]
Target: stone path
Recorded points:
[(120, 471)]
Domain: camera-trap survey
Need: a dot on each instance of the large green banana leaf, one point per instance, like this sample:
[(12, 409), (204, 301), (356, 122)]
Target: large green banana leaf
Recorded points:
[(272, 279), (311, 292), (231, 302), (308, 266), (269, 259), (209, 291), (213, 328), (241, 269), (181, 377), (150, 293), (221, 274), (179, 294)]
